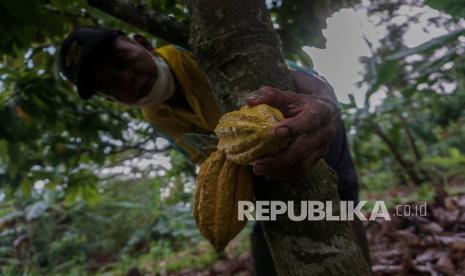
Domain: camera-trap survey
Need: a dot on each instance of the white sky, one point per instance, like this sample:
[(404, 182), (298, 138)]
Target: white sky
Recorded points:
[(339, 62)]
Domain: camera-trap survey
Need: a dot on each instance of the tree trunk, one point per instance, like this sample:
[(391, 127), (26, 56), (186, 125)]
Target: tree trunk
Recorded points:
[(405, 165), (240, 52)]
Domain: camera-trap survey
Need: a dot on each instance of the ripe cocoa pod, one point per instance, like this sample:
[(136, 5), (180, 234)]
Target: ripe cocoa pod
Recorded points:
[(245, 135), (220, 185)]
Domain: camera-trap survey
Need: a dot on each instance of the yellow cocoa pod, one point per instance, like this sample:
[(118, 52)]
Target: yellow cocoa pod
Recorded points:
[(220, 185), (245, 135)]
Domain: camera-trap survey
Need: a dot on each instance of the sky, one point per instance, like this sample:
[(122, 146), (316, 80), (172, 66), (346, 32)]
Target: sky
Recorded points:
[(339, 62)]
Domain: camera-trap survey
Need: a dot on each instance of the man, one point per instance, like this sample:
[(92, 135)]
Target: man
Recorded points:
[(174, 95)]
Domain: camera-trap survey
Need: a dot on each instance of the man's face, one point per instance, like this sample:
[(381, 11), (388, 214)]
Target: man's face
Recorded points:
[(125, 72)]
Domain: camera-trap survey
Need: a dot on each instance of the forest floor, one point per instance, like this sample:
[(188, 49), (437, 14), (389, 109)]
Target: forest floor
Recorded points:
[(406, 245)]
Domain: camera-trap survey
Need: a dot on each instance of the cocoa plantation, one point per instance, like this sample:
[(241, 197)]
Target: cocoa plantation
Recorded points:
[(134, 134)]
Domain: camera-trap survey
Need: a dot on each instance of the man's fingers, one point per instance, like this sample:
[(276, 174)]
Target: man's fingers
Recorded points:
[(273, 97), (309, 118), (304, 123)]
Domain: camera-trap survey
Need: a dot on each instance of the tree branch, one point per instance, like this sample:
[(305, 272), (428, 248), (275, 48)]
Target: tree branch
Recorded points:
[(160, 25), (404, 164)]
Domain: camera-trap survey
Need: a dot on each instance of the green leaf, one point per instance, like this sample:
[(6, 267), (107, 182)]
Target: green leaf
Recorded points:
[(427, 46), (452, 7), (36, 210), (14, 158)]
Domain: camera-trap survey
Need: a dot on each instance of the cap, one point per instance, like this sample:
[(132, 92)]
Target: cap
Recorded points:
[(76, 55)]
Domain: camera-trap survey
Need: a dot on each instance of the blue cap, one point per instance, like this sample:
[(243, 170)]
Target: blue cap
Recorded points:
[(77, 52)]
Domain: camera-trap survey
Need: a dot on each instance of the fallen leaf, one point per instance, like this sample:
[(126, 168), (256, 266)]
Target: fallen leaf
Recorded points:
[(445, 266), (390, 269), (450, 203), (461, 202), (433, 227), (430, 255)]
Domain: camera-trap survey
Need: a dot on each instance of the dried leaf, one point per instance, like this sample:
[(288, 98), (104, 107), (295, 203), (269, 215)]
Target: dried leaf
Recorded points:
[(433, 227), (445, 266)]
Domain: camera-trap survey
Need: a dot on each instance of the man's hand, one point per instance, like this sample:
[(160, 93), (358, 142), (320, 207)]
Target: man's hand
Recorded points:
[(311, 117)]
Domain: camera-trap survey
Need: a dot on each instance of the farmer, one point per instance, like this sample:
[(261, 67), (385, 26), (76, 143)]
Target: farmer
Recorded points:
[(174, 96)]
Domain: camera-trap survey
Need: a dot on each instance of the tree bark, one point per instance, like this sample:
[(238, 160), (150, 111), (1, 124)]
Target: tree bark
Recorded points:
[(405, 165), (163, 26), (237, 47), (410, 138), (424, 174)]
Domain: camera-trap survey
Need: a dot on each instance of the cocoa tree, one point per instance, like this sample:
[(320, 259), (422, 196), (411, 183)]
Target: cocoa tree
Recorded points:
[(239, 51)]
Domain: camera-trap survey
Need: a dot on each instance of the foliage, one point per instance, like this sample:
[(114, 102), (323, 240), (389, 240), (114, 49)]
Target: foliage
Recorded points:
[(132, 218), (46, 132), (452, 7), (74, 196), (421, 90)]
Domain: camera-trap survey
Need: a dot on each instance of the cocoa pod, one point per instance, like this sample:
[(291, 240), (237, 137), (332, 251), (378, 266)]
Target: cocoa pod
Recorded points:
[(245, 135), (220, 185)]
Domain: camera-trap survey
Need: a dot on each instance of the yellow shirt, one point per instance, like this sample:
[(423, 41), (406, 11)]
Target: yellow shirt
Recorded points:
[(173, 122)]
